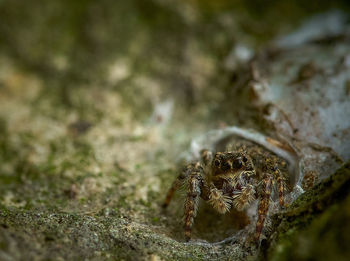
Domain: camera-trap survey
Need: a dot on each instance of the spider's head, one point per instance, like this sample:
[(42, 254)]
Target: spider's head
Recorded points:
[(232, 163)]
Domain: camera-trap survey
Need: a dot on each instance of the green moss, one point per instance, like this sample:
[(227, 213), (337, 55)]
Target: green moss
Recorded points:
[(317, 224)]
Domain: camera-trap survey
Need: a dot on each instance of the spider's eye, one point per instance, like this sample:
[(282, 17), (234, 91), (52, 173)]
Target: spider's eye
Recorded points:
[(217, 163), (226, 166), (245, 159), (237, 164)]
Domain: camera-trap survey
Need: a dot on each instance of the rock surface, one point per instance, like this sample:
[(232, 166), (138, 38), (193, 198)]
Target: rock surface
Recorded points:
[(99, 103)]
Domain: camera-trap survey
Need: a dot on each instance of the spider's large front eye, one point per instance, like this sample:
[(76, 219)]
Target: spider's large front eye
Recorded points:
[(217, 162), (237, 164), (225, 166)]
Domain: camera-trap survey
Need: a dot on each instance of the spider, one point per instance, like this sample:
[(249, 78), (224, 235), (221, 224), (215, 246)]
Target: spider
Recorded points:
[(238, 174)]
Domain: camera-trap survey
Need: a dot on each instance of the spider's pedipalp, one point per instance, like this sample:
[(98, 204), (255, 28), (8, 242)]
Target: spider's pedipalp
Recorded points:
[(244, 197), (219, 201)]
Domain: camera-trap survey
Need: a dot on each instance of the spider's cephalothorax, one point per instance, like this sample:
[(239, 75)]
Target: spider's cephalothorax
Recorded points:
[(243, 173)]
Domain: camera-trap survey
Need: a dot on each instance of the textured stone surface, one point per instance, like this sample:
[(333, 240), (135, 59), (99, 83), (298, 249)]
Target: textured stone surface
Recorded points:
[(99, 102)]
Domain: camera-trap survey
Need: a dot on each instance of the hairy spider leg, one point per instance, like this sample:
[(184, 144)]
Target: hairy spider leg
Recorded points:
[(192, 178), (194, 187), (178, 182), (281, 186), (206, 157), (263, 205)]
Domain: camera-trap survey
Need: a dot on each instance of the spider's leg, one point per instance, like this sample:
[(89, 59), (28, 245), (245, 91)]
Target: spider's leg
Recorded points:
[(263, 205), (178, 182), (281, 183), (194, 184)]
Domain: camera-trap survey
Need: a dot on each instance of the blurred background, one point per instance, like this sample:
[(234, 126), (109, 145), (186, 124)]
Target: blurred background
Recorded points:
[(99, 100)]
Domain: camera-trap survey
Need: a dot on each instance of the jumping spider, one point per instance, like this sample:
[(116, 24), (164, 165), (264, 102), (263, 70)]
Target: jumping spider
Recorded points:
[(233, 178)]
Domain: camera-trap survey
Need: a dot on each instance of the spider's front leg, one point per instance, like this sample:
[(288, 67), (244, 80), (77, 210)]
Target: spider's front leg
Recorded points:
[(206, 157), (175, 186), (192, 178), (195, 184)]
